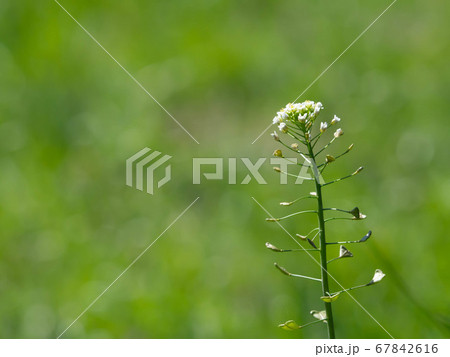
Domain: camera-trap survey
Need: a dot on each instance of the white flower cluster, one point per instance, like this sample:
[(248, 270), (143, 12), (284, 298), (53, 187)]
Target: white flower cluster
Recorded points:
[(304, 112), (302, 115)]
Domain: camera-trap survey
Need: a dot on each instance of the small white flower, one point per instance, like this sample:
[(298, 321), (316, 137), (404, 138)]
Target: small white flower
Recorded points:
[(283, 115), (378, 276), (275, 136), (318, 107), (335, 120), (302, 118), (289, 107), (309, 104), (338, 133), (304, 112), (283, 127), (319, 315), (323, 126)]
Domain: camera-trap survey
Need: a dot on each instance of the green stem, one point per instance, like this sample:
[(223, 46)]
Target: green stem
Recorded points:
[(326, 146), (323, 245), (352, 288), (312, 323), (272, 219)]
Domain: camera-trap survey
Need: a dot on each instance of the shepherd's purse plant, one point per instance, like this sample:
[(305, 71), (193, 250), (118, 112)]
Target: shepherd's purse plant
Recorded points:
[(298, 122)]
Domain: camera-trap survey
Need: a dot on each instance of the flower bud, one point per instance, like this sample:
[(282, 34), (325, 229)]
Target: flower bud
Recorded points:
[(277, 120), (283, 127), (294, 146), (317, 108), (338, 132), (323, 127), (275, 136), (335, 120), (278, 153), (329, 159)]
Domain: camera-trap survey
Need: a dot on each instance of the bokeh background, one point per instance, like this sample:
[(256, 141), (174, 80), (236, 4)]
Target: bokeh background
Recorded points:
[(69, 118)]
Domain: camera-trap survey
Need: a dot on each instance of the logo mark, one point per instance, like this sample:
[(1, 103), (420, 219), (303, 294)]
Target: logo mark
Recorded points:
[(141, 168)]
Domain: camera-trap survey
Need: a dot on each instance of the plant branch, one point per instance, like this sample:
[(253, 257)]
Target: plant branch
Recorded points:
[(277, 169), (271, 219), (313, 322), (295, 201), (325, 147), (285, 272), (343, 178), (362, 240), (278, 250)]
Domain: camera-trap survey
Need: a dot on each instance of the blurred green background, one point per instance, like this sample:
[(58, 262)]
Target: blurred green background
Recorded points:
[(69, 118)]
